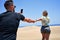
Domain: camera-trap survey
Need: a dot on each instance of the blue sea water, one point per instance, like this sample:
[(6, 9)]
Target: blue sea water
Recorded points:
[(39, 25)]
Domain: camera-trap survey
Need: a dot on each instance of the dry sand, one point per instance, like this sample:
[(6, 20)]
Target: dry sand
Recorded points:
[(33, 33)]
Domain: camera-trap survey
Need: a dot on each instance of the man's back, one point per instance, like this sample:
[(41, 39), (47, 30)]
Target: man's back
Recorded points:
[(9, 22)]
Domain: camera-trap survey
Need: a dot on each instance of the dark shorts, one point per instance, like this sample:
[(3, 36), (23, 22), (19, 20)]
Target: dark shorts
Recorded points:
[(45, 29)]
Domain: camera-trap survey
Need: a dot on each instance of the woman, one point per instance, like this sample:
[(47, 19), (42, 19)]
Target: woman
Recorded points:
[(45, 29)]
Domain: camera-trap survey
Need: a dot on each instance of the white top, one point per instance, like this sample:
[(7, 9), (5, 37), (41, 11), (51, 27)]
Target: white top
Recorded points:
[(45, 20)]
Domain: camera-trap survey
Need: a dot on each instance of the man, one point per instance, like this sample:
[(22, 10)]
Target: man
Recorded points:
[(9, 22)]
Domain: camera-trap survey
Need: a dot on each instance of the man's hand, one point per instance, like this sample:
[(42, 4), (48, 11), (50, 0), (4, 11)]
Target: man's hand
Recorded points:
[(32, 21), (29, 20)]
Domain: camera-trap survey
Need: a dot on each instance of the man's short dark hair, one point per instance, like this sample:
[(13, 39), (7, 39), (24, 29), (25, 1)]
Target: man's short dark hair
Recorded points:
[(7, 3)]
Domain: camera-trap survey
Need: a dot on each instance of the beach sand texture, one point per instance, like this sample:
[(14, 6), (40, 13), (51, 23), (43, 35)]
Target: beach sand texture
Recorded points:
[(33, 33)]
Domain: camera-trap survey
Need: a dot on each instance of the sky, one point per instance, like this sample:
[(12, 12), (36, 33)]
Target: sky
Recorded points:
[(33, 9)]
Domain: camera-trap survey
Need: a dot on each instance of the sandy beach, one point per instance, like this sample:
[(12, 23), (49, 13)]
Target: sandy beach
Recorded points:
[(33, 33)]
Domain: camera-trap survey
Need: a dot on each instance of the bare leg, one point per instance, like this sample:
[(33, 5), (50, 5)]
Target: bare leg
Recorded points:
[(43, 36), (47, 36)]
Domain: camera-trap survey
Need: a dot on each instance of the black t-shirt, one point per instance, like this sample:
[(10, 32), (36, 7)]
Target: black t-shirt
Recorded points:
[(9, 22)]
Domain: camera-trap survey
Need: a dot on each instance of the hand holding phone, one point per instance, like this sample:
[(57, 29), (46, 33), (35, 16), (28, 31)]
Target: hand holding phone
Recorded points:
[(21, 10)]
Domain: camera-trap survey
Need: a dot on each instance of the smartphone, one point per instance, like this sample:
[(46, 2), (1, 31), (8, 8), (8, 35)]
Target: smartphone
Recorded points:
[(21, 10)]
